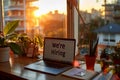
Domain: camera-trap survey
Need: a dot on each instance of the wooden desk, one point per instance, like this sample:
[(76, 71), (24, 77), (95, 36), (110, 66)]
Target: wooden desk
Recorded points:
[(15, 69)]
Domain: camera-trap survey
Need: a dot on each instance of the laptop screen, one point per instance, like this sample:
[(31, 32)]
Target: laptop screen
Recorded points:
[(59, 49)]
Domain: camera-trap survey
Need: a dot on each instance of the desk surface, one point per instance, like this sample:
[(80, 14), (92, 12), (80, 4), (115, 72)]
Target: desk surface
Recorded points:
[(16, 67)]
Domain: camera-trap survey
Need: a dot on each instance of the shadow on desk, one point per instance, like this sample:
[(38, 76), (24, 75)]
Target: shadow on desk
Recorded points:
[(6, 76)]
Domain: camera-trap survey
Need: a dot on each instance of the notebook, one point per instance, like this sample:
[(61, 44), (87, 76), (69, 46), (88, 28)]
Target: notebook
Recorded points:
[(58, 56)]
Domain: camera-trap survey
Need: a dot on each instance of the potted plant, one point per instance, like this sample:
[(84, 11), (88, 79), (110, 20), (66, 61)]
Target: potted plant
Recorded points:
[(7, 42), (91, 56), (30, 45), (115, 57)]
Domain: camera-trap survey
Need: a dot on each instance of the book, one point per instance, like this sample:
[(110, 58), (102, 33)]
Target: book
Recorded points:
[(80, 73)]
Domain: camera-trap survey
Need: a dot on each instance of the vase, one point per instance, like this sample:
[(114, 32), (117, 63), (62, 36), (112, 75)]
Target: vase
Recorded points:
[(4, 54), (90, 62)]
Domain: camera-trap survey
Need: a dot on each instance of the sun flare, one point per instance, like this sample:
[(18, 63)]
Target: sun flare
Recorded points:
[(45, 6)]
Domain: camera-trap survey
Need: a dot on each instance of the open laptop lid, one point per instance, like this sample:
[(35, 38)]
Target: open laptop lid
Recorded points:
[(59, 50)]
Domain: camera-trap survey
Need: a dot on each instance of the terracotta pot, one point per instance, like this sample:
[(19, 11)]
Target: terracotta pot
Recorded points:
[(90, 62)]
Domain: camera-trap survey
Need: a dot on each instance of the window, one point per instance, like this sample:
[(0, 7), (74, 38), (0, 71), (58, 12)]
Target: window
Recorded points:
[(50, 18), (91, 17), (109, 38), (106, 38), (112, 38), (61, 18), (54, 18)]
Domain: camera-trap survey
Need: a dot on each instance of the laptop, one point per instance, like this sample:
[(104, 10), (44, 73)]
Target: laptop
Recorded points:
[(58, 56)]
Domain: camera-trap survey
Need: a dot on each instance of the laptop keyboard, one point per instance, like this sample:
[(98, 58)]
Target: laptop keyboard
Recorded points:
[(53, 65)]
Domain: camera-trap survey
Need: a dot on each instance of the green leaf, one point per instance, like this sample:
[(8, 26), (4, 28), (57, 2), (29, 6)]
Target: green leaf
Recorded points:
[(12, 36), (10, 27), (15, 48), (38, 40)]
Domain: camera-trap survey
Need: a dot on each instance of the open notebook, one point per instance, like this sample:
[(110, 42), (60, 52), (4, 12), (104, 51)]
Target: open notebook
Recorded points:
[(58, 56)]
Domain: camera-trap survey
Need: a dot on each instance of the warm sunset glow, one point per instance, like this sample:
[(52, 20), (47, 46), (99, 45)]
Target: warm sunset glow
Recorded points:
[(89, 4), (37, 13), (49, 5)]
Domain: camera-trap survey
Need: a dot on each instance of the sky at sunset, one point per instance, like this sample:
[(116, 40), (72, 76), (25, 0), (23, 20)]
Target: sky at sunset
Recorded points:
[(46, 5), (89, 4)]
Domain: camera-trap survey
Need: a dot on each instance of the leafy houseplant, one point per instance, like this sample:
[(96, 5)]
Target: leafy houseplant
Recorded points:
[(26, 42), (115, 57), (7, 37)]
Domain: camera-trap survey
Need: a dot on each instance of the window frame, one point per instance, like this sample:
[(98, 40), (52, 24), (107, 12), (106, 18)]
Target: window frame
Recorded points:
[(73, 19), (1, 16)]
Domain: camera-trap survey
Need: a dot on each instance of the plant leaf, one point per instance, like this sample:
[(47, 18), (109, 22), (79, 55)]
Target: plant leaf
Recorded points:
[(94, 47), (12, 36), (15, 48), (39, 40), (10, 27)]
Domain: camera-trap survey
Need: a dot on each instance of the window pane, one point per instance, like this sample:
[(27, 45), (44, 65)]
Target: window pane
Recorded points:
[(46, 17), (102, 18), (93, 16), (49, 18)]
